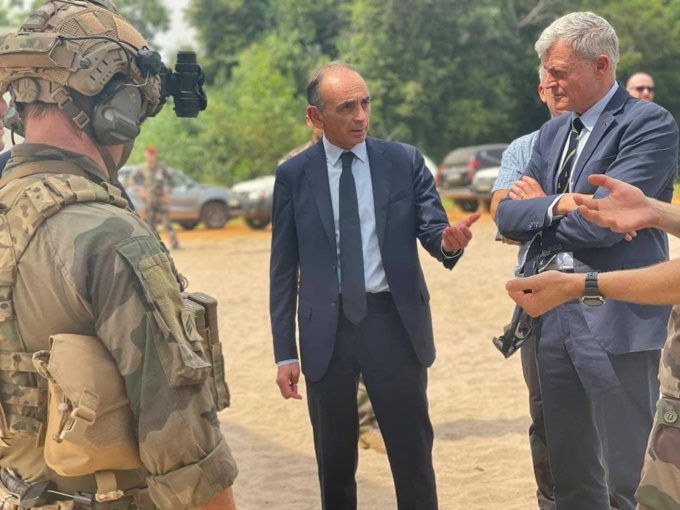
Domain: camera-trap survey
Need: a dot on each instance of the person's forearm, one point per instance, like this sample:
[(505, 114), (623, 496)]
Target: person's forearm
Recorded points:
[(668, 217), (654, 285), (222, 501)]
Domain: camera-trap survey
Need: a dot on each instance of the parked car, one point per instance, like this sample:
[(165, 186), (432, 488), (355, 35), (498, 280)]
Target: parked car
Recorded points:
[(482, 184), (459, 166), (190, 202), (431, 166), (256, 198)]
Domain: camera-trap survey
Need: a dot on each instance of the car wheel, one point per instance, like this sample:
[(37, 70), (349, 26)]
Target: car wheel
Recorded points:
[(215, 214), (188, 225), (257, 223), (467, 205)]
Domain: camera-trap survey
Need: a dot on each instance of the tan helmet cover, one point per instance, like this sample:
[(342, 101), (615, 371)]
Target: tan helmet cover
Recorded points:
[(39, 61)]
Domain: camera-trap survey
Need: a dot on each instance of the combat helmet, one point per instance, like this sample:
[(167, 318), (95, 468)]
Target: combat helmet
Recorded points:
[(88, 48)]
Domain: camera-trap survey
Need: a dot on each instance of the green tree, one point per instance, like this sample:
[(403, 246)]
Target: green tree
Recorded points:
[(226, 27), (148, 16), (649, 40)]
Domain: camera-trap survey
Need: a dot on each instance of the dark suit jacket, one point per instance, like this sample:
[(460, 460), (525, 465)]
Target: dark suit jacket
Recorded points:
[(304, 253), (634, 141)]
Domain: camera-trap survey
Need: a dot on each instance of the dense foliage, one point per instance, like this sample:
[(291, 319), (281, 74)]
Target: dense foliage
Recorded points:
[(442, 73)]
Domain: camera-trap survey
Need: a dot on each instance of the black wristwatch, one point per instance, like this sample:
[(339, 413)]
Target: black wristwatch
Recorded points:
[(591, 295)]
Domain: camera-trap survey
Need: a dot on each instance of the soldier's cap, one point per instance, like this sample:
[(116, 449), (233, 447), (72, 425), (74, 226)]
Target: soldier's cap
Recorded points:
[(74, 45)]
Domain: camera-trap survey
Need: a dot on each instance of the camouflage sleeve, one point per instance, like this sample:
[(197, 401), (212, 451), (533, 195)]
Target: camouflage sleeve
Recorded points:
[(141, 318), (134, 177), (169, 177)]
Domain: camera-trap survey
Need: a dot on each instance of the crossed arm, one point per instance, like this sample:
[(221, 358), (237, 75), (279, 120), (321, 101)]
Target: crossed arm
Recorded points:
[(625, 209)]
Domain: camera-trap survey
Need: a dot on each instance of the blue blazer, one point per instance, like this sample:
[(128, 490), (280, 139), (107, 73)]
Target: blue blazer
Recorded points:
[(304, 254), (634, 141)]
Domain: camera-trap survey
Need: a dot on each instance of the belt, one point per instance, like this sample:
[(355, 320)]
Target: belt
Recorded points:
[(44, 493)]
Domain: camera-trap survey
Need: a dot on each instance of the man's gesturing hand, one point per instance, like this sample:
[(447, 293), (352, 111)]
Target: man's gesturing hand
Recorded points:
[(543, 292), (457, 236), (287, 380), (626, 209)]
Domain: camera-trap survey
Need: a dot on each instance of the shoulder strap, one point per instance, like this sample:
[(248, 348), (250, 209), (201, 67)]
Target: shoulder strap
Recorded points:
[(42, 167)]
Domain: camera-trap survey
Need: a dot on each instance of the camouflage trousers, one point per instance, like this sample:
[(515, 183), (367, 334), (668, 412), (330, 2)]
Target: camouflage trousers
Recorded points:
[(660, 484), (367, 420), (659, 487), (157, 212)]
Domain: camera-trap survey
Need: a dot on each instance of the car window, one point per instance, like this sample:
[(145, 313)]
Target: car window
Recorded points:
[(459, 156), (181, 179), (497, 154)]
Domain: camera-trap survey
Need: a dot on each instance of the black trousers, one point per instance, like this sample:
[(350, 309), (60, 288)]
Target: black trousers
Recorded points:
[(379, 349)]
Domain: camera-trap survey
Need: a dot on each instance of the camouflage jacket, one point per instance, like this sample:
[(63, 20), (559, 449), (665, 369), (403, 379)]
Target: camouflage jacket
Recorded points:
[(90, 270), (158, 179), (296, 151)]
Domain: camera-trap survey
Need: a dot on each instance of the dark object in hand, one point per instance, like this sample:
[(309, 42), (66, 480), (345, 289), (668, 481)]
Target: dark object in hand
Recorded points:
[(516, 333)]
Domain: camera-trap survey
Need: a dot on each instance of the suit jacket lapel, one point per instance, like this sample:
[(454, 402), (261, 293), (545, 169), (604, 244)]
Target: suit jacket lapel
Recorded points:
[(380, 179), (604, 123), (316, 170)]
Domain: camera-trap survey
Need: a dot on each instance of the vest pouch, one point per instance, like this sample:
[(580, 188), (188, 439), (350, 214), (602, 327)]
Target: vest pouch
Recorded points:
[(89, 420)]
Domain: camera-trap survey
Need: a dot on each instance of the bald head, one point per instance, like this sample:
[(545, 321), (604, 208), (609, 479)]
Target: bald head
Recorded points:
[(641, 85)]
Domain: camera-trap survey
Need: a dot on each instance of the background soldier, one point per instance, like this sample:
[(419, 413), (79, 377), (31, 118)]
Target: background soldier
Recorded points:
[(102, 285), (158, 182)]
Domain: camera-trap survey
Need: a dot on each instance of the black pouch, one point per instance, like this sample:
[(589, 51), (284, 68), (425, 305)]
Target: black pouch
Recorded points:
[(516, 333)]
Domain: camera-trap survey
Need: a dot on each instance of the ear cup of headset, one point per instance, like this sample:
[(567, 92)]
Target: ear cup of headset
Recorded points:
[(117, 114), (13, 122)]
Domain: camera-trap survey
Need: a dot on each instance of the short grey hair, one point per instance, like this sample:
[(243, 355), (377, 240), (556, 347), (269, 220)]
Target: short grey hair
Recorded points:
[(314, 83), (588, 34)]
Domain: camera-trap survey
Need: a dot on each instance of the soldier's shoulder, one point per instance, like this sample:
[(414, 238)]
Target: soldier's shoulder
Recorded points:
[(95, 226)]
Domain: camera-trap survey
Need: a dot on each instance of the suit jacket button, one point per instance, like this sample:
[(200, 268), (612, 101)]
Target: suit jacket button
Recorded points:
[(334, 268), (334, 306)]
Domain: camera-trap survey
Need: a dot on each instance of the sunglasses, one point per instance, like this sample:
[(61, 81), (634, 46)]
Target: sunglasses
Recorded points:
[(641, 88)]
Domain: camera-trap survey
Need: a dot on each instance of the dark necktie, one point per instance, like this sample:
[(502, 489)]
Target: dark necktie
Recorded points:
[(352, 282), (568, 163)]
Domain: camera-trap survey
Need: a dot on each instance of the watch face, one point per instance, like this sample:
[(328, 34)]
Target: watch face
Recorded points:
[(592, 300)]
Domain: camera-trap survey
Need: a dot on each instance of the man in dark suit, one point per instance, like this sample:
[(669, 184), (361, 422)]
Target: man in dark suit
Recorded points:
[(597, 364), (347, 214)]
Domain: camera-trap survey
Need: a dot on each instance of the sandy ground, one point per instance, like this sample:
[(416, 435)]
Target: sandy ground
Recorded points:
[(478, 401)]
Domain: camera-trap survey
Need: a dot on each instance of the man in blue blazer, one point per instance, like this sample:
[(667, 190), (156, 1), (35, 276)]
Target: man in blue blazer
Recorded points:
[(597, 364), (346, 217)]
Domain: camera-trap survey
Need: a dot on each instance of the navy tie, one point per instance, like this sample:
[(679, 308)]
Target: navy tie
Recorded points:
[(352, 283), (568, 163)]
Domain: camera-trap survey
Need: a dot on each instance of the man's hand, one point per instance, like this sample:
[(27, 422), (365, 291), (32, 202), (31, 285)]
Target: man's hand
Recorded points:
[(287, 380), (526, 187), (457, 236), (543, 292), (625, 209)]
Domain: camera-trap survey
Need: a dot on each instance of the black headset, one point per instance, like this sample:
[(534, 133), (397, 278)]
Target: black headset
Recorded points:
[(117, 113)]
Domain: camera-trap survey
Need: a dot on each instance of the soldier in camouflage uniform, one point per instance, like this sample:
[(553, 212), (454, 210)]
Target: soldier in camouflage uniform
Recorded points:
[(626, 209), (369, 430), (75, 261), (158, 182)]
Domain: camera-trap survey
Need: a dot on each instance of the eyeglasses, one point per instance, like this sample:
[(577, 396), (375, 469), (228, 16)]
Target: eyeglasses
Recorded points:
[(641, 88)]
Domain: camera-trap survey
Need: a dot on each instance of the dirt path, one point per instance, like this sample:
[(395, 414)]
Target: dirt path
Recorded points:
[(478, 400)]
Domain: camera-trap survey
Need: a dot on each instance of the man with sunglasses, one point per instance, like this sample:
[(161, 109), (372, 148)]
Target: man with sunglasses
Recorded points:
[(641, 86)]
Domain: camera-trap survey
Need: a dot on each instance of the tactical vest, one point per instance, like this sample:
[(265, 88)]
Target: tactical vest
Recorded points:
[(25, 204)]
